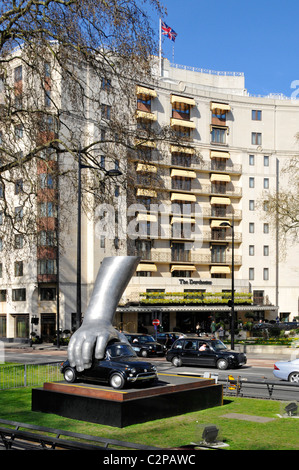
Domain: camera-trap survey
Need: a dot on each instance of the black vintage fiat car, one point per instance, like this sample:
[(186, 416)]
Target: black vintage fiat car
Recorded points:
[(119, 367), (201, 351)]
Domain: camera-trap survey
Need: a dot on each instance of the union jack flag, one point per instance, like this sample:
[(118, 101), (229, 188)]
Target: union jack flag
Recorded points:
[(167, 31)]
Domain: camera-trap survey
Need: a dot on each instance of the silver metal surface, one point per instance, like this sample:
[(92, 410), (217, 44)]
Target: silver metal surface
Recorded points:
[(96, 330)]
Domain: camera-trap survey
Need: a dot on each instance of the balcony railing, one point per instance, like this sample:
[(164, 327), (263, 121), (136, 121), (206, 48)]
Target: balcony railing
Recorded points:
[(165, 256)]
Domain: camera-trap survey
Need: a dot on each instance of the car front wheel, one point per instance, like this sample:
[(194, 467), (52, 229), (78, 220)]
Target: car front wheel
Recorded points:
[(176, 361), (222, 364), (117, 381), (144, 353), (70, 375), (294, 377)]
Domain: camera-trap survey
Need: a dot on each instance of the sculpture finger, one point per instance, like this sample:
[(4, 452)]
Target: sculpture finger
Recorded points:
[(77, 353), (87, 351), (101, 344)]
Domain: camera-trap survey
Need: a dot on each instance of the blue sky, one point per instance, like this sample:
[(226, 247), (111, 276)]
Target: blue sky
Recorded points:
[(259, 38)]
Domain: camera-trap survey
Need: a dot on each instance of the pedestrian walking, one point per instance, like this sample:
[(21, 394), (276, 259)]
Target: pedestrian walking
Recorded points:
[(221, 333)]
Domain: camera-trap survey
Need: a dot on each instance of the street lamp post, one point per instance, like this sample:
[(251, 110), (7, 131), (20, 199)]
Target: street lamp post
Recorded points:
[(109, 173), (232, 302)]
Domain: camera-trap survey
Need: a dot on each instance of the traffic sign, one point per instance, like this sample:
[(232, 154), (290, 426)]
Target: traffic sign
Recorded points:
[(156, 322)]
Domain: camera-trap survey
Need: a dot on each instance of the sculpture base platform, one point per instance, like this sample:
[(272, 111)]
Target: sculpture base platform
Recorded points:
[(171, 395)]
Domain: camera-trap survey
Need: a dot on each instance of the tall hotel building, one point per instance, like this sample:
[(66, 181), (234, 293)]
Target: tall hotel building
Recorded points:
[(230, 151)]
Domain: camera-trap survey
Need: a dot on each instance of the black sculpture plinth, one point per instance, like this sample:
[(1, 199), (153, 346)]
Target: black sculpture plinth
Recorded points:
[(172, 395)]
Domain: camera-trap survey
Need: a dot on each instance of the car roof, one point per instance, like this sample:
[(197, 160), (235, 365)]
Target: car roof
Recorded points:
[(200, 338)]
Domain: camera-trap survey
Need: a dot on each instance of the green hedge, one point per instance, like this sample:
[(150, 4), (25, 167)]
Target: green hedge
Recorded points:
[(194, 298)]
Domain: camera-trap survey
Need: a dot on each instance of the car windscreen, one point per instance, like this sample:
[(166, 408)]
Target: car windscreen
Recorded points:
[(146, 339), (217, 345), (118, 350)]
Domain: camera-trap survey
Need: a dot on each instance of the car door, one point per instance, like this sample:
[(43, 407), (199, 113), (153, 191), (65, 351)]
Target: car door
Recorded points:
[(189, 352), (99, 370), (205, 354)]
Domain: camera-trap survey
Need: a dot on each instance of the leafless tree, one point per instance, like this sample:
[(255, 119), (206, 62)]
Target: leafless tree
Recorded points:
[(68, 72)]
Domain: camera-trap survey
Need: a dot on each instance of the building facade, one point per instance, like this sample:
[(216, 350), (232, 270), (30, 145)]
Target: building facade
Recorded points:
[(193, 211)]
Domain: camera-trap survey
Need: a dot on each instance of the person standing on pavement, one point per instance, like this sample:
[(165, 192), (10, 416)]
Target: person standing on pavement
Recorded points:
[(221, 333), (213, 327)]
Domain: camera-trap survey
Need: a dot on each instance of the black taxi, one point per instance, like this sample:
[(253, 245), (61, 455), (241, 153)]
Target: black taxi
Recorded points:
[(207, 352)]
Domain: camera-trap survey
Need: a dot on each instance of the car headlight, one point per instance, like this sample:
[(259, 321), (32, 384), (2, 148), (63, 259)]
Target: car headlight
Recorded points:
[(154, 368), (133, 370)]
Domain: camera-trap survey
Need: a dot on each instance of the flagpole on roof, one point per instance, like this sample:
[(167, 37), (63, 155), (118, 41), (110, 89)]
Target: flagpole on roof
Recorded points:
[(160, 47)]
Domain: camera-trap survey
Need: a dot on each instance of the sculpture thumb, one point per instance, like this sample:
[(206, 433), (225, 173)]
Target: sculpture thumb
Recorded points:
[(113, 277)]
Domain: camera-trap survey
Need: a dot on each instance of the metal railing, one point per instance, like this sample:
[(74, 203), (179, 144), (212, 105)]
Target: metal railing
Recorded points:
[(28, 375)]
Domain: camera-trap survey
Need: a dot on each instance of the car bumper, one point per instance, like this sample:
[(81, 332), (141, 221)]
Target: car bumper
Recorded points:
[(142, 377)]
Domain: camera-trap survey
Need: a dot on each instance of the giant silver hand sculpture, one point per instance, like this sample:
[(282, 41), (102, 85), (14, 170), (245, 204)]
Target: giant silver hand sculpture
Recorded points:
[(97, 330)]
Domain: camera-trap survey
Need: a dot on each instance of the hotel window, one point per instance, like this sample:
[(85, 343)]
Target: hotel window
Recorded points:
[(181, 159), (251, 250), (218, 135), (143, 274), (46, 266), (181, 183), (251, 274), (181, 111), (251, 182), (18, 295), (256, 138), (47, 209), (266, 183), (1, 244), (103, 241), (19, 242), (19, 186), (143, 249), (47, 69), (266, 228), (106, 84), (1, 269), (218, 254), (18, 72), (181, 273), (251, 205), (18, 268), (266, 274), (47, 238), (182, 132), (144, 103), (19, 212), (1, 217), (106, 111), (47, 293), (46, 181), (178, 252), (266, 250), (266, 160), (256, 115), (3, 295), (19, 131), (251, 160), (48, 98), (251, 227)]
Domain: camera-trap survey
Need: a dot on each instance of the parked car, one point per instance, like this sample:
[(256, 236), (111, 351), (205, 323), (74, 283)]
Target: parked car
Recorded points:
[(161, 337), (264, 325), (119, 367), (201, 351), (145, 345), (287, 370), (288, 325)]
